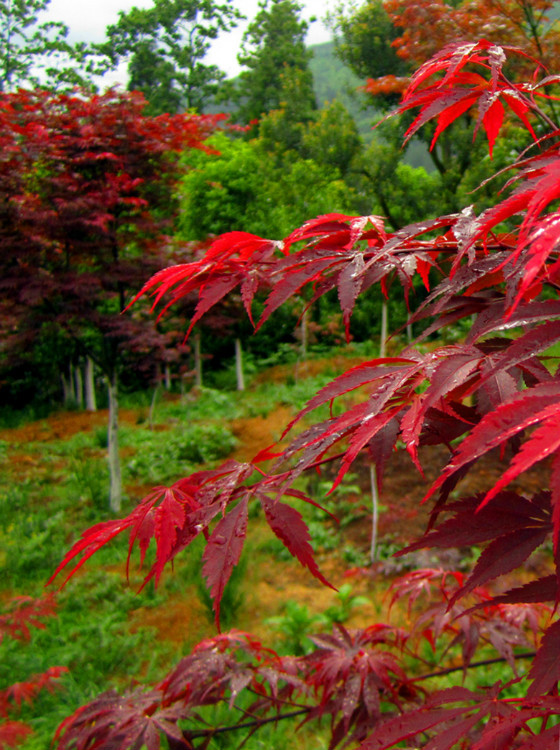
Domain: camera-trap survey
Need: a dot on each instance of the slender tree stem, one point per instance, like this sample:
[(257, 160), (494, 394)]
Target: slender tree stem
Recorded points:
[(255, 724), (472, 665), (374, 512)]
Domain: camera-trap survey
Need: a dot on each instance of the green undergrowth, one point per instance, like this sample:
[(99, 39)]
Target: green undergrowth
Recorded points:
[(61, 490)]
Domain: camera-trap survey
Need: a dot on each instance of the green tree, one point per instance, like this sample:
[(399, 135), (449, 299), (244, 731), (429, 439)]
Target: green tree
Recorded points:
[(333, 138), (282, 129), (155, 77), (33, 52), (243, 187), (165, 46), (225, 191), (273, 45), (363, 38)]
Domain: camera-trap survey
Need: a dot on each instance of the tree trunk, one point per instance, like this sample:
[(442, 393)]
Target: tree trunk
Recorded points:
[(384, 329), (197, 361), (71, 388), (304, 319), (239, 365), (153, 405), (167, 375), (91, 403), (79, 386), (115, 493), (409, 334), (67, 395), (374, 512)]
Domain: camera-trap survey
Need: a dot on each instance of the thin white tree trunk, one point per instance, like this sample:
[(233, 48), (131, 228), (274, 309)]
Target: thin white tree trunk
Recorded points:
[(197, 361), (71, 388), (167, 375), (115, 492), (374, 513), (409, 335), (67, 395), (91, 403), (384, 329), (79, 386), (239, 365), (153, 405), (304, 336)]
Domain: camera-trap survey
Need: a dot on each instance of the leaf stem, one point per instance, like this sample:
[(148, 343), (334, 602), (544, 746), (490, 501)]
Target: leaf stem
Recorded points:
[(255, 724), (472, 665)]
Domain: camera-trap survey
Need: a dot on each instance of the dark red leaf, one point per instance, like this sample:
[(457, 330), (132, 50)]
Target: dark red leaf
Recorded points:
[(524, 410), (472, 525), (503, 555), (288, 525), (406, 727), (540, 590), (223, 552), (545, 670)]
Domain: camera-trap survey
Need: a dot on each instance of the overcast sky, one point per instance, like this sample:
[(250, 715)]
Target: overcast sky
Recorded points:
[(88, 20)]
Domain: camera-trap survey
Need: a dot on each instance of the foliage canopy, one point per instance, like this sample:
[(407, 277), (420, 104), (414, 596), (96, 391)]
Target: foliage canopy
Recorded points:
[(273, 46), (165, 46), (30, 50)]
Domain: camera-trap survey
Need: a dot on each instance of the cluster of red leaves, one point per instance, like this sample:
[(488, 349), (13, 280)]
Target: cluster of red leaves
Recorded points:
[(492, 391), (84, 203), (428, 26), (174, 516), (345, 681), (23, 614), (389, 84), (97, 151)]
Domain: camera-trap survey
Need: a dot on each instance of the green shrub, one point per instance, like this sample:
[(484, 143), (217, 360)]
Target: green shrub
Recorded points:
[(163, 456), (295, 626)]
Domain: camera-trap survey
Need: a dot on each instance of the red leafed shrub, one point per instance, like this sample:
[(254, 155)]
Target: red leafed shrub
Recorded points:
[(85, 209), (23, 613), (499, 389)]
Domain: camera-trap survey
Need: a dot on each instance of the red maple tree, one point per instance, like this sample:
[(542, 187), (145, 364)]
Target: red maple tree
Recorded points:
[(85, 204), (427, 26), (497, 389)]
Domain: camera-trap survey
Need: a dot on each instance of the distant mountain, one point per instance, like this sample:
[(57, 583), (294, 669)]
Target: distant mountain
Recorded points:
[(334, 80)]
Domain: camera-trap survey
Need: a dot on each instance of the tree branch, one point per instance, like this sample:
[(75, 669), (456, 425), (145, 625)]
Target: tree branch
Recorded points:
[(472, 665), (255, 724)]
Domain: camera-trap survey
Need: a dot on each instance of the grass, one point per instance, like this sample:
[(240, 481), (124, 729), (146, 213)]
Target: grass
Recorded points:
[(162, 457), (60, 490), (46, 503)]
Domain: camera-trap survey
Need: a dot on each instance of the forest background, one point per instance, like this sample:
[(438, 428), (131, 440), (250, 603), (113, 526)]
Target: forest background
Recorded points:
[(307, 157)]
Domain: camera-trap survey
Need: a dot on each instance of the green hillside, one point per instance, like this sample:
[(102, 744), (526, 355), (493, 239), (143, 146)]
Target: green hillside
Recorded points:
[(334, 80)]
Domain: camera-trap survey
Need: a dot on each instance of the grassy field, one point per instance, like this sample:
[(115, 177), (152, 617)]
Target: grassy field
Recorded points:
[(108, 633), (53, 486)]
